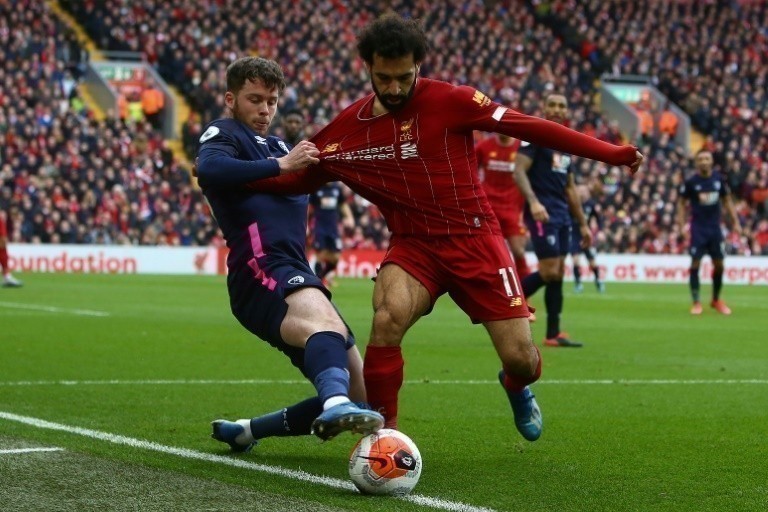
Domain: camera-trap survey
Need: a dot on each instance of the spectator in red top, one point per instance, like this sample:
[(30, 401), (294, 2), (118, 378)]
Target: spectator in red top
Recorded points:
[(8, 280)]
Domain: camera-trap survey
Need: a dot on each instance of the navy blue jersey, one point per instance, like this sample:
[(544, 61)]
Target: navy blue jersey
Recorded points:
[(704, 195), (262, 230), (589, 208), (548, 176), (325, 204)]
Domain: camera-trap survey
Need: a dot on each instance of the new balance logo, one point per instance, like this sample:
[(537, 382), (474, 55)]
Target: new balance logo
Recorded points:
[(330, 148), (296, 280), (517, 301), (481, 99)]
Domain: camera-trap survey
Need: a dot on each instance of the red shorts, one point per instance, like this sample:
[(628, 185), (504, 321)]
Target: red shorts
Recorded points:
[(477, 272), (511, 222)]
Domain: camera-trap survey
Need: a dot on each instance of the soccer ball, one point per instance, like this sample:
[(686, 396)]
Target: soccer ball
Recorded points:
[(386, 462)]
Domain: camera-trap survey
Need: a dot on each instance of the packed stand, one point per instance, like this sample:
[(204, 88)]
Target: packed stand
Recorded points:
[(711, 59), (67, 177), (499, 47), (502, 51)]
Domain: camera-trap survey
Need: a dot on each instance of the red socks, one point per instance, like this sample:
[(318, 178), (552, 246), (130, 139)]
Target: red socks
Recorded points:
[(516, 383), (3, 260), (383, 373)]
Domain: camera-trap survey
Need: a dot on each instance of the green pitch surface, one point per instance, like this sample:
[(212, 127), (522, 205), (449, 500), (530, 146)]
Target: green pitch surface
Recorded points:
[(118, 377)]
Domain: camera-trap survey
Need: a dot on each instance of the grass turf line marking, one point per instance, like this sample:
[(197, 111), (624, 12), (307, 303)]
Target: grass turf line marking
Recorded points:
[(30, 450), (53, 309), (183, 382), (451, 506)]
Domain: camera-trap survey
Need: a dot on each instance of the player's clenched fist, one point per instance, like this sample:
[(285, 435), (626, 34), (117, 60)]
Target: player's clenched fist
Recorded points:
[(303, 154), (637, 163)]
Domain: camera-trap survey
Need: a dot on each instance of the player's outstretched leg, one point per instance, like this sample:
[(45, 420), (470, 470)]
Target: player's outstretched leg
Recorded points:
[(325, 364), (237, 434), (526, 410)]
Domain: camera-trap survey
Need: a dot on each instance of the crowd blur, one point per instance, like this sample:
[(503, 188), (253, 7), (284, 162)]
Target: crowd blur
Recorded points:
[(70, 178), (66, 176), (710, 58)]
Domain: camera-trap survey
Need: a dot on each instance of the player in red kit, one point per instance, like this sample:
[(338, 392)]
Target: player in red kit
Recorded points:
[(496, 163), (8, 280), (408, 148)]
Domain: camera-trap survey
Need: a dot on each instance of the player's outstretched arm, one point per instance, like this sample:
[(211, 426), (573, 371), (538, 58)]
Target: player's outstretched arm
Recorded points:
[(305, 181), (216, 167), (555, 136)]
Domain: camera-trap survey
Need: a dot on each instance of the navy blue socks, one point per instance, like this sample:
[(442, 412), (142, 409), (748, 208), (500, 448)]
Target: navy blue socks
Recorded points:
[(532, 283), (553, 299), (325, 364)]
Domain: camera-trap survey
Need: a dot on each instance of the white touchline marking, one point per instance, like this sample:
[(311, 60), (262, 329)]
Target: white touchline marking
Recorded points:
[(452, 506), (566, 382), (31, 450), (53, 309)]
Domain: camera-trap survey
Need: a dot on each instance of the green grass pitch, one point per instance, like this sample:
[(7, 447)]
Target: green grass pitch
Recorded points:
[(659, 411)]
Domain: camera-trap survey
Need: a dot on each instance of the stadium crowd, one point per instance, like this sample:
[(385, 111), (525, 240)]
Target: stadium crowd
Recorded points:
[(70, 178), (66, 176)]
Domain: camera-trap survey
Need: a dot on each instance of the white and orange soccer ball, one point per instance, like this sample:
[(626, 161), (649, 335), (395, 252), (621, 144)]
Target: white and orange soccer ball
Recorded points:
[(387, 462)]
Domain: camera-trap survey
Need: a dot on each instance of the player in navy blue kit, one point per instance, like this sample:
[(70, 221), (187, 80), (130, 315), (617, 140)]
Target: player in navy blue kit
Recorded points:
[(705, 190), (273, 291), (545, 178), (328, 208), (588, 207), (293, 125)]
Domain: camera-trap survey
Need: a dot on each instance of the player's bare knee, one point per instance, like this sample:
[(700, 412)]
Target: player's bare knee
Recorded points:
[(523, 359), (387, 328)]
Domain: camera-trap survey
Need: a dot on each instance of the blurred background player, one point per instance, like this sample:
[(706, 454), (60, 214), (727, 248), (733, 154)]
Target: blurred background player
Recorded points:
[(589, 208), (329, 207), (294, 125), (705, 190), (545, 179), (8, 280), (496, 164), (272, 289)]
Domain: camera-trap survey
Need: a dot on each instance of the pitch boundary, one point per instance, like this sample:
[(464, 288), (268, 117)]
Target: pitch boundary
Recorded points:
[(283, 382), (437, 503), (13, 451), (54, 309)]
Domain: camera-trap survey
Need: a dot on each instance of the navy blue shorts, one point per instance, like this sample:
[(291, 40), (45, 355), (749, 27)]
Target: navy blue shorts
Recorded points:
[(259, 304), (549, 240), (327, 242), (575, 246), (707, 243)]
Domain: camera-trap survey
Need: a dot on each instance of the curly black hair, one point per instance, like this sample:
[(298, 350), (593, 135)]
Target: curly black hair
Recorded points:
[(392, 37)]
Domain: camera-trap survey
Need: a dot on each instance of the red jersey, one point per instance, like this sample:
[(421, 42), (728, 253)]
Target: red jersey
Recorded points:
[(418, 164), (3, 227), (497, 170)]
